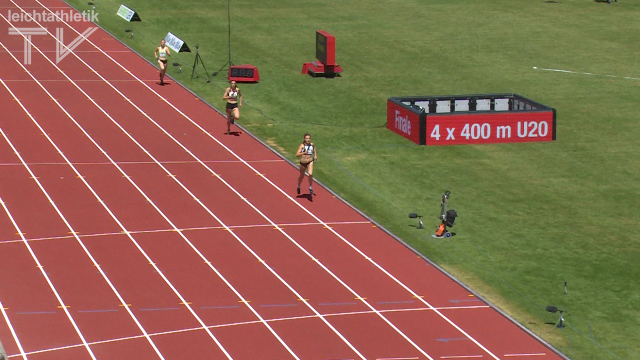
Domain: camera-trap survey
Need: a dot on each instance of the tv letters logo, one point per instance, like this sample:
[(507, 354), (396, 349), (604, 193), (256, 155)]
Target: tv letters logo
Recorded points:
[(61, 50)]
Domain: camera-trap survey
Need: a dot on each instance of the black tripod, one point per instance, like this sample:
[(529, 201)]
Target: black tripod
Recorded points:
[(197, 60), (228, 63)]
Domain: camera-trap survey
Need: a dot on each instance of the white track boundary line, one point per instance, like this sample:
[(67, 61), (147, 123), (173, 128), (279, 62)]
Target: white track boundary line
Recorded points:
[(186, 229), (298, 295), (284, 193), (93, 260), (175, 228), (292, 318), (6, 316)]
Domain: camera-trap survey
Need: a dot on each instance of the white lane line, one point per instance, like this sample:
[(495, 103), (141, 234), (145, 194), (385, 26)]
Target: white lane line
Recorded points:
[(285, 194), (585, 73), (519, 355), (292, 318), (186, 229), (77, 80), (460, 356), (93, 260), (143, 162), (182, 299), (35, 7), (6, 316), (78, 51)]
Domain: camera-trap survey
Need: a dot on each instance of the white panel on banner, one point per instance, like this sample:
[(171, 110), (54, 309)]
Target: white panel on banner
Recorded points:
[(462, 105), (443, 106), (502, 105), (483, 105)]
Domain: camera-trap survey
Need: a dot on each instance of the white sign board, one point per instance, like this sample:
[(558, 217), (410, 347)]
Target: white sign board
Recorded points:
[(126, 13), (173, 42)]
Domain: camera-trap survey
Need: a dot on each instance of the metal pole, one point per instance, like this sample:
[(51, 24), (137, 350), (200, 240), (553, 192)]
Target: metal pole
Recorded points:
[(229, 23)]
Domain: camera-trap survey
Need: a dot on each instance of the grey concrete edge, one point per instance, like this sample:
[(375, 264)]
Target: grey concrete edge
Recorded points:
[(558, 352)]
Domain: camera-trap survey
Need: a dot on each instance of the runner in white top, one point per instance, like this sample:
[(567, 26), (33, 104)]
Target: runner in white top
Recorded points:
[(161, 54), (308, 155), (234, 100)]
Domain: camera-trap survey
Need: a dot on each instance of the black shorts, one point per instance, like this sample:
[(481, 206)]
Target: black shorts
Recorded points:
[(164, 61), (231, 106)]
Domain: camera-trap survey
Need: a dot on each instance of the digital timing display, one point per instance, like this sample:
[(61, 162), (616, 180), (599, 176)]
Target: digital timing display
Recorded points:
[(241, 72), (321, 47)]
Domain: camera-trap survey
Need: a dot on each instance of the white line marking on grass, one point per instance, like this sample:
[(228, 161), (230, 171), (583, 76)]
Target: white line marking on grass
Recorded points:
[(585, 73)]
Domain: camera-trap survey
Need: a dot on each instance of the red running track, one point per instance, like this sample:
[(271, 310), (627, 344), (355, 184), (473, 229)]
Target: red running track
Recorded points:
[(133, 228)]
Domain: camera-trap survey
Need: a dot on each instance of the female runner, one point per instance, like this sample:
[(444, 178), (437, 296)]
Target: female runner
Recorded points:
[(161, 54), (308, 155), (234, 100)]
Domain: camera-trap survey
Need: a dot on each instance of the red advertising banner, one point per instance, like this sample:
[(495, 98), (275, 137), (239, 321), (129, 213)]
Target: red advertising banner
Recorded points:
[(403, 121), (493, 128)]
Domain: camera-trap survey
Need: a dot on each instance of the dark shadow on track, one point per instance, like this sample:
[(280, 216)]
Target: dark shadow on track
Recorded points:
[(305, 196)]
